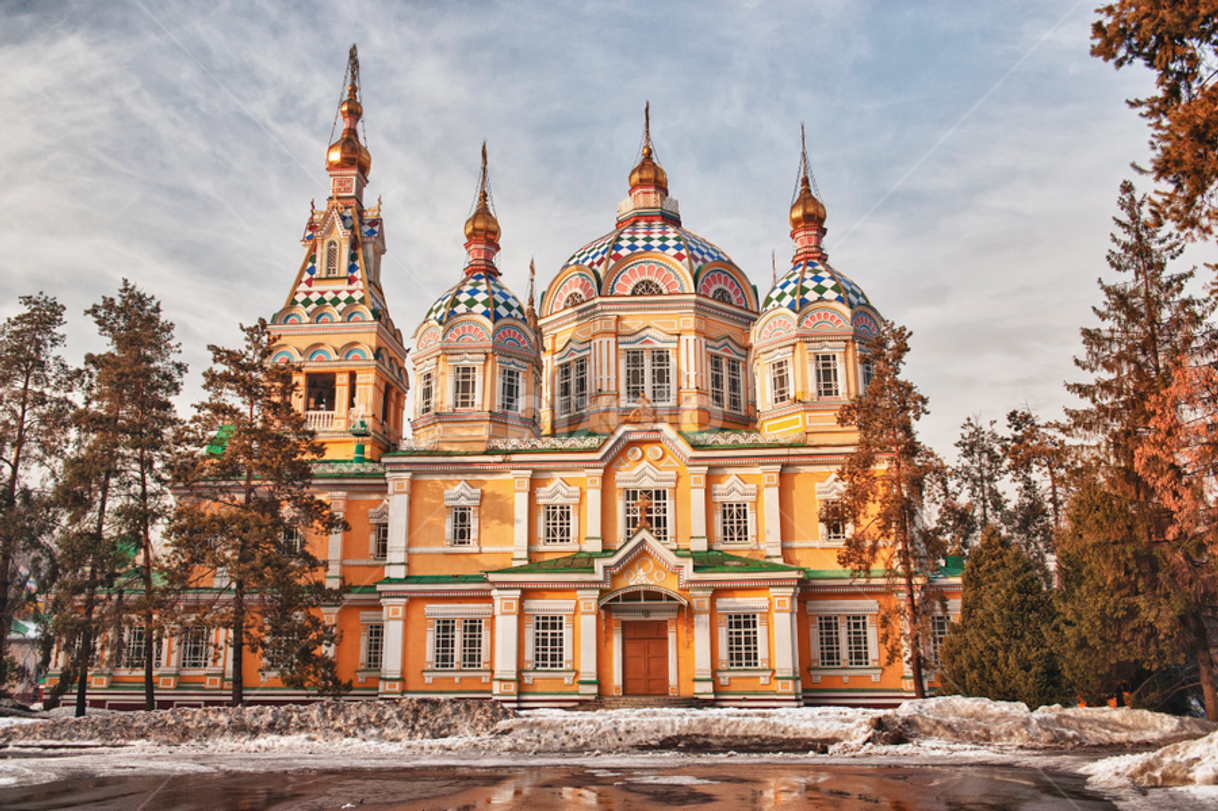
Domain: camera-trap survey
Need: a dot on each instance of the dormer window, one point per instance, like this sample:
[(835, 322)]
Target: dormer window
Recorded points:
[(331, 266), (647, 287)]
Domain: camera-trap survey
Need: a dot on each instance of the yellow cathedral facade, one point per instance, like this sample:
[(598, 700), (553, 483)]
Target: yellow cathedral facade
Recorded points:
[(610, 491)]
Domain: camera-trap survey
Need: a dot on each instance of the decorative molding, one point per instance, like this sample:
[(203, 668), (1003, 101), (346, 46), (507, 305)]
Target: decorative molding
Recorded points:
[(353, 468), (734, 489), (546, 443), (745, 438), (559, 492), (463, 495)]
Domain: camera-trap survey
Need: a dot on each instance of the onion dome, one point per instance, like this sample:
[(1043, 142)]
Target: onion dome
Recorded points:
[(478, 293), (347, 152), (807, 211), (809, 281), (648, 172), (482, 229), (679, 244), (482, 225)]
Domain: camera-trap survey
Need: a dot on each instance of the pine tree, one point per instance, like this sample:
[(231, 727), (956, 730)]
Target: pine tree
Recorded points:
[(243, 504), (1032, 452), (134, 383), (1003, 648), (35, 384), (1148, 323), (886, 480), (979, 473), (1178, 39)]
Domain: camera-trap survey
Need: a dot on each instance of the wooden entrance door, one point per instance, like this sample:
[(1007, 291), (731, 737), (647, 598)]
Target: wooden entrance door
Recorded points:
[(645, 658)]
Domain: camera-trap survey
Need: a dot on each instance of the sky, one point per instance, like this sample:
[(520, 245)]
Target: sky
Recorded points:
[(968, 154)]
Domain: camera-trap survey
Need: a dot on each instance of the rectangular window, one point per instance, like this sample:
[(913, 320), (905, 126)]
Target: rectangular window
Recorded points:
[(648, 371), (858, 653), (742, 641), (320, 390), (381, 551), (465, 387), (734, 521), (780, 382), (463, 526), (657, 512), (293, 540), (826, 375), (196, 652), (938, 630), (557, 524), (735, 386), (827, 631), (718, 382), (471, 644), (548, 649), (374, 654), (835, 532), (868, 373), (427, 400), (573, 387), (446, 644), (132, 648), (509, 390)]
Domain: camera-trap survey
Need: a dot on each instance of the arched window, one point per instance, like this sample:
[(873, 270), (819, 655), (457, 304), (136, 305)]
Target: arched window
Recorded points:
[(723, 294), (574, 299), (647, 287), (331, 259)]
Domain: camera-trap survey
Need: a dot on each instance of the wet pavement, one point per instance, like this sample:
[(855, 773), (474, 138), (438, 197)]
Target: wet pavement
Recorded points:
[(722, 786)]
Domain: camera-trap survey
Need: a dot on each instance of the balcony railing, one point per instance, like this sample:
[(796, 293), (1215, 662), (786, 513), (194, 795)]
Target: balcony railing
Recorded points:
[(319, 420)]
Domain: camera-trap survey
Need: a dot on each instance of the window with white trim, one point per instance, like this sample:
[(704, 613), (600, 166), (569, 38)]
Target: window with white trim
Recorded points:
[(829, 635), (657, 512), (509, 390), (649, 371), (196, 647), (380, 549), (427, 396), (845, 634), (858, 651), (461, 519), (465, 387), (835, 531), (727, 383), (742, 646), (735, 511), (938, 631), (572, 387), (133, 647), (826, 375), (549, 634), (331, 268), (374, 645), (458, 644), (780, 381), (292, 539), (868, 372), (557, 514), (556, 524), (734, 522)]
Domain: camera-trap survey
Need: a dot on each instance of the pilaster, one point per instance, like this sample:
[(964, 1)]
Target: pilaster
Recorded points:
[(334, 555), (396, 557), (593, 541), (393, 615), (697, 509), (770, 476), (520, 516), (704, 677), (507, 638)]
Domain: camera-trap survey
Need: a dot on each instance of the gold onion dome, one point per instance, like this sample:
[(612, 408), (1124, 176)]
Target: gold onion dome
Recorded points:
[(482, 225), (347, 152), (807, 211), (648, 172)]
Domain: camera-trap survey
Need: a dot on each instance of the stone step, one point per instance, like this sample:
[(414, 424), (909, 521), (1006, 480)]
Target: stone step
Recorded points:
[(637, 702)]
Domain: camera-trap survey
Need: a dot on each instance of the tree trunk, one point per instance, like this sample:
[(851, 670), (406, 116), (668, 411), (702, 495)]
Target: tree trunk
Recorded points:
[(149, 614), (7, 542), (84, 651), (1205, 666), (915, 637), (237, 645)]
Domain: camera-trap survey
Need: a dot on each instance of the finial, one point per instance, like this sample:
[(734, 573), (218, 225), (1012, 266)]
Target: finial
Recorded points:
[(482, 181), (530, 313), (773, 270), (647, 129)]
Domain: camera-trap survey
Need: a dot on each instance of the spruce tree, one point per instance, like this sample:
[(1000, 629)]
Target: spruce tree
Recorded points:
[(1003, 648), (886, 482), (979, 472), (1148, 324), (243, 503), (35, 406)]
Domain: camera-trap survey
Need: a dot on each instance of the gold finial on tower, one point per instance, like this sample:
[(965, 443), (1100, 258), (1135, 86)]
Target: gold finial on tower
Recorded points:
[(773, 269), (807, 210), (530, 312), (482, 225), (347, 152), (648, 172)]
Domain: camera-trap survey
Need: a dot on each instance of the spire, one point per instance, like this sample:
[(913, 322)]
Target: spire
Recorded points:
[(773, 269), (807, 211), (482, 229), (530, 311), (648, 173), (347, 158)]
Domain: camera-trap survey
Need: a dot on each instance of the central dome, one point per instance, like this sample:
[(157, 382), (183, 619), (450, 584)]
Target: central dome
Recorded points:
[(478, 294)]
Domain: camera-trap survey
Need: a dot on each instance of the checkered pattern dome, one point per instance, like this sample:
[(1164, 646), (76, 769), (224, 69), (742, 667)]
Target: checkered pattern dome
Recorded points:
[(480, 294), (809, 282), (676, 243)]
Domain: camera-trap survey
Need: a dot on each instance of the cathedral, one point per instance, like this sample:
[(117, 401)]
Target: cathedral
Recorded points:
[(608, 490)]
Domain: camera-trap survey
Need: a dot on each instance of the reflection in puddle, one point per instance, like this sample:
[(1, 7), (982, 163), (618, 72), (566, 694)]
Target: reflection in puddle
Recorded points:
[(728, 785)]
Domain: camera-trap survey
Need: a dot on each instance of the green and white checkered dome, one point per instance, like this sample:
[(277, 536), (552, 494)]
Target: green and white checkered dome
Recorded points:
[(810, 281), (479, 294)]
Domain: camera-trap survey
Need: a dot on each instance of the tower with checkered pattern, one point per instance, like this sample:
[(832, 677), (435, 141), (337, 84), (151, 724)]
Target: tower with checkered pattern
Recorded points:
[(476, 357), (810, 341), (335, 323)]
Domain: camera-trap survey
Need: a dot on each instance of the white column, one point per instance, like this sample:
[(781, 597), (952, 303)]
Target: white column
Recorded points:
[(588, 646), (704, 676), (623, 531), (783, 601), (396, 564), (520, 517), (673, 687), (697, 509), (593, 539), (507, 639), (393, 615), (619, 684), (334, 569), (773, 516)]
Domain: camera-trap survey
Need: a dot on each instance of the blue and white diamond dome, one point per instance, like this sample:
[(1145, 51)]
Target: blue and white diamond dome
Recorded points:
[(810, 281), (478, 293)]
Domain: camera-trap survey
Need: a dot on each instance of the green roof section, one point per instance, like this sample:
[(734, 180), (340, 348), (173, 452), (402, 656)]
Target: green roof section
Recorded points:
[(220, 441), (713, 560), (578, 563)]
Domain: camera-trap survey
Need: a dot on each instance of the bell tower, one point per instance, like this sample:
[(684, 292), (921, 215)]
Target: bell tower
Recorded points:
[(335, 325)]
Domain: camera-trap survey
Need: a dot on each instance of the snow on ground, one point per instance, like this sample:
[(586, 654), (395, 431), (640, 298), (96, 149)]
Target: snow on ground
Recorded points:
[(1188, 763)]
